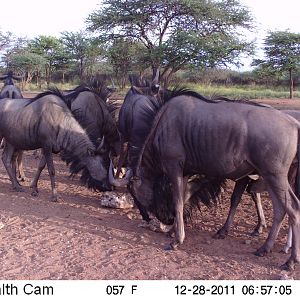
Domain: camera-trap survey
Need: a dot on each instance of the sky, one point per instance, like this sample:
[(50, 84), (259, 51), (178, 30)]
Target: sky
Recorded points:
[(30, 18)]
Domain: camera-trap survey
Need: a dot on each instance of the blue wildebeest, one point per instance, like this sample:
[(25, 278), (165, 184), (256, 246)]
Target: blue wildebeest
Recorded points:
[(88, 104), (255, 187), (10, 90), (145, 99), (220, 139), (46, 122), (139, 100), (90, 109)]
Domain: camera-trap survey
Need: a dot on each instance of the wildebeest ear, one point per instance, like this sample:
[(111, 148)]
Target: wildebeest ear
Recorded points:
[(2, 77), (91, 152)]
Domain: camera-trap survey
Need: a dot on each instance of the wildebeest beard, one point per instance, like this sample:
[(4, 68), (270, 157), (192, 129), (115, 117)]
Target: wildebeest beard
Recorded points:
[(204, 190), (163, 205), (76, 166)]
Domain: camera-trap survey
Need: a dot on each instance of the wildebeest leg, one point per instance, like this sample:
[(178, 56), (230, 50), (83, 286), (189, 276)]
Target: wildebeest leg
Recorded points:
[(178, 189), (51, 170), (35, 180), (261, 221), (9, 161), (292, 206), (19, 164), (239, 189), (288, 245), (278, 190)]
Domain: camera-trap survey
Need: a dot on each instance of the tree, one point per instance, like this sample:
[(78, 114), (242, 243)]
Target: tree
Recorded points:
[(282, 51), (176, 32), (83, 50), (52, 50), (5, 39), (30, 63), (125, 56)]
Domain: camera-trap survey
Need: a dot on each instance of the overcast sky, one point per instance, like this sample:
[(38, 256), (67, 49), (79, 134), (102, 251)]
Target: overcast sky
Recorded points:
[(30, 18), (44, 17)]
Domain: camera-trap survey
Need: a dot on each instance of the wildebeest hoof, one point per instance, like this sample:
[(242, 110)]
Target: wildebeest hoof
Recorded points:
[(258, 230), (288, 266), (171, 234), (54, 199), (171, 246), (220, 235), (254, 233), (35, 193), (19, 189), (261, 252), (285, 250)]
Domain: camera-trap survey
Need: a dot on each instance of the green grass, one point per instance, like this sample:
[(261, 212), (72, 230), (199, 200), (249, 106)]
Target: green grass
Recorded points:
[(242, 92), (33, 87), (233, 92)]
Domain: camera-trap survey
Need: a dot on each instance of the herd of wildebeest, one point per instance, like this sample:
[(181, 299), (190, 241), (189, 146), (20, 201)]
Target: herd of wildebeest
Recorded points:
[(177, 147)]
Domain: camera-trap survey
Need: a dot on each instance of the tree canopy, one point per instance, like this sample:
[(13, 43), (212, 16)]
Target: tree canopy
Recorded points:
[(282, 52), (176, 32)]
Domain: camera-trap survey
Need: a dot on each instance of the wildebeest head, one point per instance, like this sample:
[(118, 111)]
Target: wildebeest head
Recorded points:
[(93, 167), (9, 90), (8, 78), (145, 87), (155, 194), (95, 173)]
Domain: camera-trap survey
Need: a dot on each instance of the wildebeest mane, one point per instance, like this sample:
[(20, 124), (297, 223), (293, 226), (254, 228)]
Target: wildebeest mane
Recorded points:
[(96, 87), (153, 116), (67, 99), (51, 91), (109, 128), (206, 191), (183, 91)]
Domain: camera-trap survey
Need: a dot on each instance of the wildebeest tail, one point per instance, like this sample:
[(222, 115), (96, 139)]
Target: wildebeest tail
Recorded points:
[(297, 182)]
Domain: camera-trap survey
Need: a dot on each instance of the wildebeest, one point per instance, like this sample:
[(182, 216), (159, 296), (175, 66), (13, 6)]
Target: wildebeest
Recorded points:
[(141, 99), (91, 111), (220, 139), (255, 187), (46, 122), (10, 90)]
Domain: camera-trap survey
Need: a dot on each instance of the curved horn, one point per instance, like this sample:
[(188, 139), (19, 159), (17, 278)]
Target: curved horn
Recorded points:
[(155, 82), (99, 148), (2, 77), (118, 182), (16, 77), (113, 86)]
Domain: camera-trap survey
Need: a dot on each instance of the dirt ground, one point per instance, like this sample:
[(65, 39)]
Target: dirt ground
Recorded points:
[(76, 238)]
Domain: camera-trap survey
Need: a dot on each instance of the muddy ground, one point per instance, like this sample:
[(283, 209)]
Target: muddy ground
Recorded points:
[(77, 238)]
